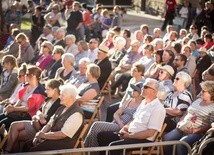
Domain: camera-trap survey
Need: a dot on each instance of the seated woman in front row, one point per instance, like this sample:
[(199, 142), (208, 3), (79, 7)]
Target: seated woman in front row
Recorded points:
[(121, 117), (26, 130), (89, 91), (30, 100)]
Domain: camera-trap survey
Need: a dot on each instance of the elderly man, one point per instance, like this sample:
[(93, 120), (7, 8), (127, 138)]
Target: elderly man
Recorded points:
[(105, 65), (65, 125), (59, 38), (145, 124)]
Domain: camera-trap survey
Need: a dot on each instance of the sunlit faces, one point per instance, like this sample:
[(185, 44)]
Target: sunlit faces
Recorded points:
[(163, 75), (50, 92), (166, 57), (157, 58), (186, 51), (205, 94), (178, 81), (147, 89)]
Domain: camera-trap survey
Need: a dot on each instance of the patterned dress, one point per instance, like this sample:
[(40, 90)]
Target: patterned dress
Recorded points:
[(100, 126)]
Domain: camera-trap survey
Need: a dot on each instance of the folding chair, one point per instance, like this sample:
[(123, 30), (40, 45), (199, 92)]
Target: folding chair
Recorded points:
[(107, 88), (80, 140), (96, 114), (4, 136), (153, 149)]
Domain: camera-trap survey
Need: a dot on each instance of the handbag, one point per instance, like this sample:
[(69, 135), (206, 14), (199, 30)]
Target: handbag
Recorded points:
[(178, 21), (184, 125)]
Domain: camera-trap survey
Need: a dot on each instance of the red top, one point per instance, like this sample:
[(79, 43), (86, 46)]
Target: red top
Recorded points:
[(87, 17), (171, 5)]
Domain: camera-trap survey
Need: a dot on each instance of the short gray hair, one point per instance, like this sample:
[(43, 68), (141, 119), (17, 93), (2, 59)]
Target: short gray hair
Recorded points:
[(121, 41), (71, 36), (153, 83), (69, 57), (69, 90), (61, 31), (85, 61), (185, 77)]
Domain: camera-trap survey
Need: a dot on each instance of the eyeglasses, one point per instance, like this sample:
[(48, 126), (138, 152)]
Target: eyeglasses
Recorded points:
[(177, 78), (147, 87)]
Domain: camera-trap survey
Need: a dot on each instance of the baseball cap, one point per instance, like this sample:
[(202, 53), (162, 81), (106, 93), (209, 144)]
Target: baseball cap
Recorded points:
[(137, 87)]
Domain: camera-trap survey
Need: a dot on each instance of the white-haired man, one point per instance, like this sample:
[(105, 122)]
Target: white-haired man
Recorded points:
[(145, 124)]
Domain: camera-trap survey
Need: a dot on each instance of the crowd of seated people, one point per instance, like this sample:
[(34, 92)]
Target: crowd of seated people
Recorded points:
[(49, 80)]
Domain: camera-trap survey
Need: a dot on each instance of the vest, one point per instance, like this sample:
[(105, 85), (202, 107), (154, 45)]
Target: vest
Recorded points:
[(59, 119)]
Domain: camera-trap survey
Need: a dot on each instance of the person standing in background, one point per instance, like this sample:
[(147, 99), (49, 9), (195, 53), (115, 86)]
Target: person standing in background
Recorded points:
[(170, 13)]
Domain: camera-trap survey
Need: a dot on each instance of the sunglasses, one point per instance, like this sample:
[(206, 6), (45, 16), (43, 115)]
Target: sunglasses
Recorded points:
[(147, 87), (177, 78)]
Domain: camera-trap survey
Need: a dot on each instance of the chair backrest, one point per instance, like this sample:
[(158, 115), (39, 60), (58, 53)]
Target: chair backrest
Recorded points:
[(96, 113), (158, 138), (106, 89), (80, 140), (4, 135)]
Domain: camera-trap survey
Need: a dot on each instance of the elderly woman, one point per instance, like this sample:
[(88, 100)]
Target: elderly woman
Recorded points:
[(71, 47), (64, 127), (31, 98), (118, 52), (46, 55), (67, 70), (81, 74), (166, 73), (121, 117), (177, 102), (83, 51), (90, 90), (26, 130), (8, 77), (197, 120), (56, 63), (26, 52)]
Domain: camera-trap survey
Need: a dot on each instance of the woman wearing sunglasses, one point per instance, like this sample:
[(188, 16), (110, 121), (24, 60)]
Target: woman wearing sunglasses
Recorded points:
[(177, 102)]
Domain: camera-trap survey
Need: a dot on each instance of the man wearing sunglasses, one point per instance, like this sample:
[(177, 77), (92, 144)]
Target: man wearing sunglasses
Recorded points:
[(147, 120)]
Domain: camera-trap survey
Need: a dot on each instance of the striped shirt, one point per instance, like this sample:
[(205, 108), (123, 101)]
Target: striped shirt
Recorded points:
[(200, 115)]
